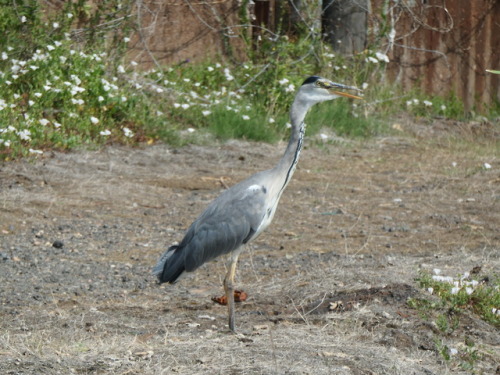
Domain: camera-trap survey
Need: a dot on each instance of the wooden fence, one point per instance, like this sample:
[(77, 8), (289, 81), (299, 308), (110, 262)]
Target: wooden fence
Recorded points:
[(445, 46)]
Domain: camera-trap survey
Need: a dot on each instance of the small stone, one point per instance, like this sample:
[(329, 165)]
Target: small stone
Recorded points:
[(260, 327), (58, 244)]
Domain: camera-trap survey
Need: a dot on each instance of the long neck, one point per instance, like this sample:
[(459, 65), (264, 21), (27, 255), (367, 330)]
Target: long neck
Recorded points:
[(287, 164)]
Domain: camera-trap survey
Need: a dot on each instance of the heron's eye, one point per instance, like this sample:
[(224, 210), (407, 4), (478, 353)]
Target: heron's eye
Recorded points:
[(321, 84)]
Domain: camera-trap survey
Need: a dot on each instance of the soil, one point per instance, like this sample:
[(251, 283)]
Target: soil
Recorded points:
[(328, 283)]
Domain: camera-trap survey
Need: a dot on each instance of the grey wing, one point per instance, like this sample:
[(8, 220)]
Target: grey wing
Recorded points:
[(230, 221)]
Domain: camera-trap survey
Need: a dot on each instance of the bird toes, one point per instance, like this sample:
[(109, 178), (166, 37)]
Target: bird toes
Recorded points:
[(239, 296)]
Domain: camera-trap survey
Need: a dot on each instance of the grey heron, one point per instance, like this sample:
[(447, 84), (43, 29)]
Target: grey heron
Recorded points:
[(243, 211)]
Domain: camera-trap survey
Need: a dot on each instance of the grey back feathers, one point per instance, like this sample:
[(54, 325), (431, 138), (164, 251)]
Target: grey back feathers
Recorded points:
[(230, 221)]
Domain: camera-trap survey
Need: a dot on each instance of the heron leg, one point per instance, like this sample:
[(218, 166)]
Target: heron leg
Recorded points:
[(229, 287)]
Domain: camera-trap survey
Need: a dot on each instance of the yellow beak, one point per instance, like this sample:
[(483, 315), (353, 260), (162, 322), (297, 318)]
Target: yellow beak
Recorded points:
[(345, 94)]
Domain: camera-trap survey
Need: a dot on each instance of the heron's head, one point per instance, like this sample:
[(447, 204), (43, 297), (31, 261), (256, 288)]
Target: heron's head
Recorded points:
[(317, 89)]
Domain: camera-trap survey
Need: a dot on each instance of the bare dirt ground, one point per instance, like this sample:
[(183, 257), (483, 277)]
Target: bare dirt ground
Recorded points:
[(80, 232)]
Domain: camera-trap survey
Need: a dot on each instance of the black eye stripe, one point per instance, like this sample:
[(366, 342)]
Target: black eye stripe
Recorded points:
[(311, 79)]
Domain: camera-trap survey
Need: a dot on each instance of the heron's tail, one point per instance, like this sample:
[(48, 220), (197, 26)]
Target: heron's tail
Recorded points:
[(170, 266)]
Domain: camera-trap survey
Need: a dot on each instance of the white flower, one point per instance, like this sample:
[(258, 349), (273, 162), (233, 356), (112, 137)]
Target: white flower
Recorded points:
[(38, 94), (206, 113), (454, 164), (123, 98), (76, 79), (190, 130), (4, 56), (105, 132), (210, 69), (382, 57), (372, 60), (290, 88), (100, 98), (288, 125), (430, 290), (57, 124), (218, 65), (445, 279), (469, 290), (50, 47), (436, 271), (186, 79), (185, 106), (443, 107), (25, 135), (44, 121), (323, 136), (55, 25), (245, 117), (75, 90), (39, 152), (31, 102), (94, 120), (487, 166), (121, 69), (283, 81), (453, 351), (69, 15), (23, 19), (133, 63), (228, 75), (427, 103), (176, 105), (271, 120), (126, 39), (77, 101), (128, 133), (455, 290), (159, 90)]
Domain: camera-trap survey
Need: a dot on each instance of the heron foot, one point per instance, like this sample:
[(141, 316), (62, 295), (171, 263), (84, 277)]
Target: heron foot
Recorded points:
[(239, 296)]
